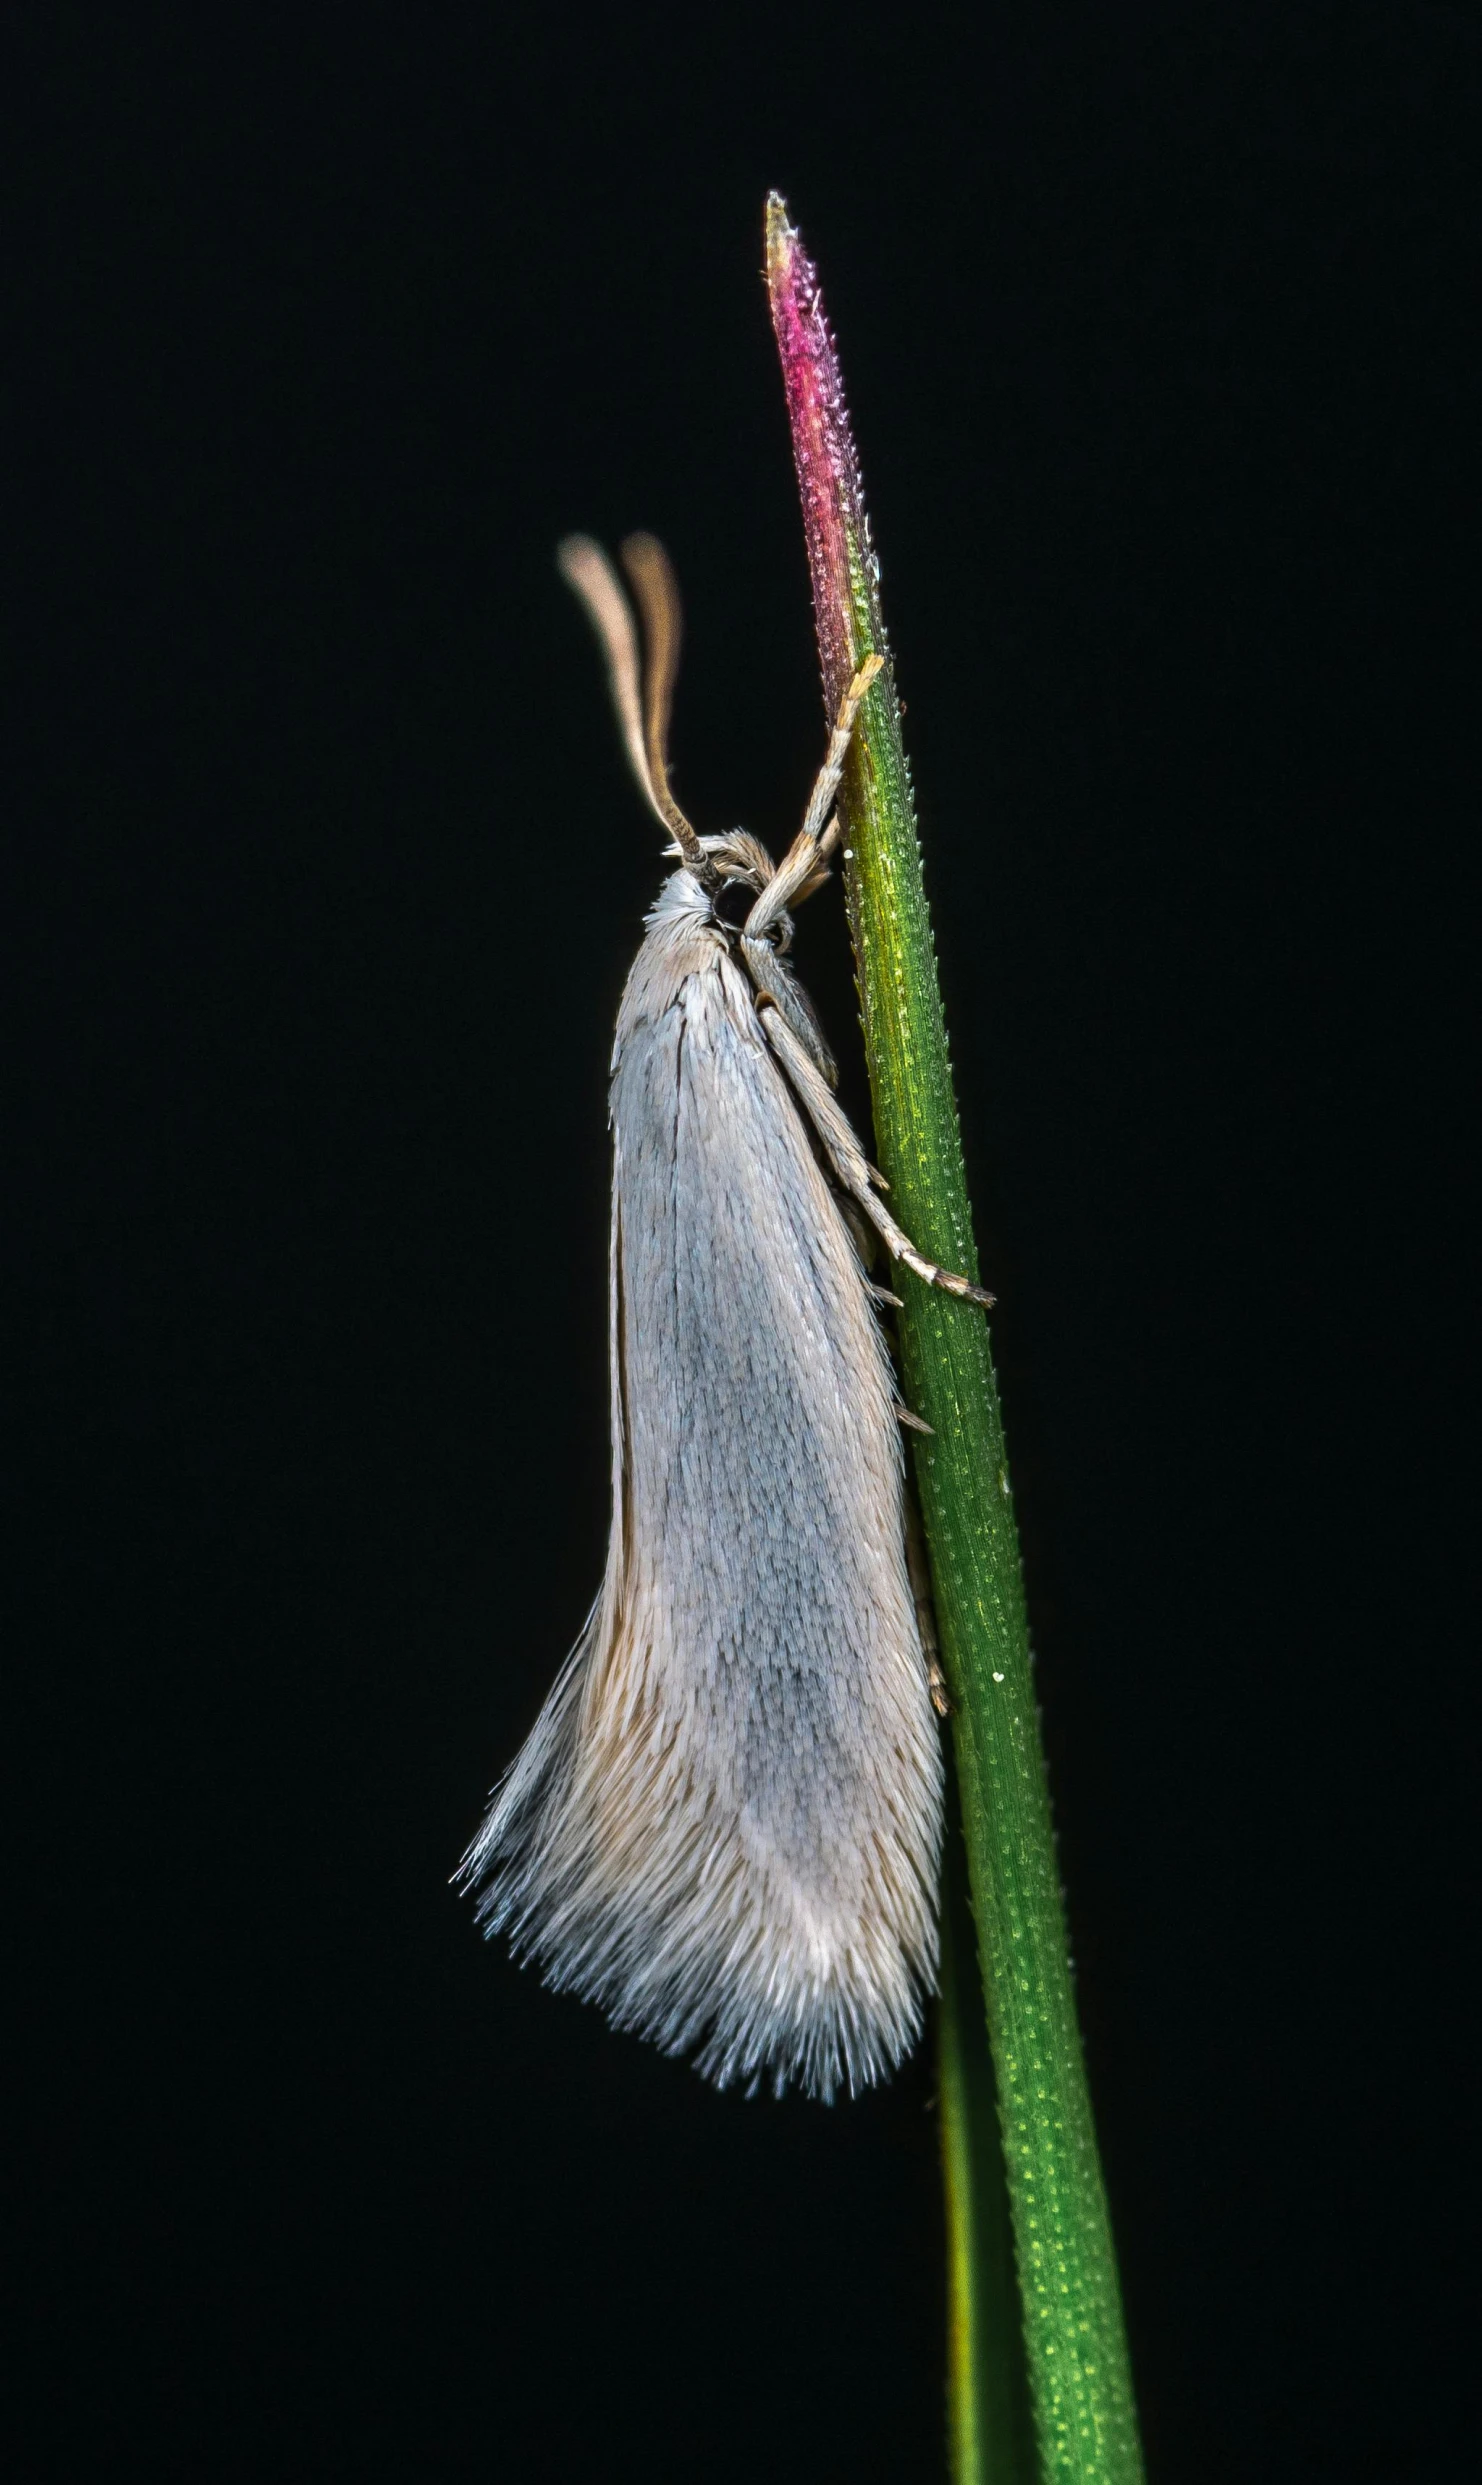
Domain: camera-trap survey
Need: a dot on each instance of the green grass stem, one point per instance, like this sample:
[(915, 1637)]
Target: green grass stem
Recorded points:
[(1075, 2350), (989, 2428)]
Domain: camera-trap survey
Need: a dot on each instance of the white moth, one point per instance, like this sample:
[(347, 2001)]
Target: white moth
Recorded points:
[(726, 1824)]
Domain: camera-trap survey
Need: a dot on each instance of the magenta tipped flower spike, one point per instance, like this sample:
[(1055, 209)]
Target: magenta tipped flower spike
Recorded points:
[(1030, 2159), (845, 603)]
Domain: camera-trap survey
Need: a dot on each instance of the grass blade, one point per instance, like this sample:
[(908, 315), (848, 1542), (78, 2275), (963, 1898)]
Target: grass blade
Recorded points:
[(1074, 2341), (989, 2429)]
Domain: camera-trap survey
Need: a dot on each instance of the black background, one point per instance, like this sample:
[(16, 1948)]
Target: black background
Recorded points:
[(1156, 329)]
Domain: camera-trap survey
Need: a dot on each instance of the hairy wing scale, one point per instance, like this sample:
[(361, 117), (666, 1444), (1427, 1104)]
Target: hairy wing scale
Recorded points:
[(725, 1825)]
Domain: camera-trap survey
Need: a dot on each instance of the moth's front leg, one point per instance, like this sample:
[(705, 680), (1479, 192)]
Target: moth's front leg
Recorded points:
[(848, 1159)]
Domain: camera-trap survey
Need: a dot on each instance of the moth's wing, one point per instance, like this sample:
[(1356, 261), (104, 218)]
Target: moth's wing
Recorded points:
[(514, 1861), (726, 1825), (768, 1682)]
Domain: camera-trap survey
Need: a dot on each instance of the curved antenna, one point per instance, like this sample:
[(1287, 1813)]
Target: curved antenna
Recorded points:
[(651, 576), (587, 570)]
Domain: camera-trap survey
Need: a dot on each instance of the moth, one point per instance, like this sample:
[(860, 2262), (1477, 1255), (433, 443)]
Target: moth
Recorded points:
[(725, 1827)]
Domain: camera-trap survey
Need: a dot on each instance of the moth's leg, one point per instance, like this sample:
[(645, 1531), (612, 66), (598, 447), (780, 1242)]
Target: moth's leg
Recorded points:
[(861, 1233), (926, 1620), (867, 1250), (866, 1243), (830, 775), (801, 868), (847, 1157), (913, 1423)]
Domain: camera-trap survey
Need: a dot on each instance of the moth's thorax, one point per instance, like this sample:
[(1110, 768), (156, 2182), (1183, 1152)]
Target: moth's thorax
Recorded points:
[(681, 901), (681, 940)]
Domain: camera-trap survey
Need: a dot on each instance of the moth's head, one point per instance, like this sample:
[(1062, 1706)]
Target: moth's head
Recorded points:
[(742, 870), (760, 935), (735, 876)]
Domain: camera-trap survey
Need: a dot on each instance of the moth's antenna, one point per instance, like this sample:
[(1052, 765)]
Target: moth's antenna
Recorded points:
[(586, 568), (651, 576)]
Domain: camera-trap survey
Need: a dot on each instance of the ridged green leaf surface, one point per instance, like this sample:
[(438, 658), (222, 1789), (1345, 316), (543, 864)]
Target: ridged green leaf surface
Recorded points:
[(1074, 2342)]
